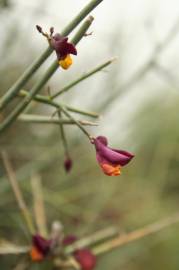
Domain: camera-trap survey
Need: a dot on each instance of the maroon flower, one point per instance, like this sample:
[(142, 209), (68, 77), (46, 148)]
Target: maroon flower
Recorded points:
[(40, 247), (63, 50), (61, 45), (111, 160), (85, 258), (68, 164)]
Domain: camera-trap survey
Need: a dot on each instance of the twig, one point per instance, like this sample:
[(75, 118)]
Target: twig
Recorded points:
[(83, 77), (32, 118), (48, 101), (63, 137), (92, 239), (39, 209), (17, 192), (135, 235), (64, 110), (12, 92)]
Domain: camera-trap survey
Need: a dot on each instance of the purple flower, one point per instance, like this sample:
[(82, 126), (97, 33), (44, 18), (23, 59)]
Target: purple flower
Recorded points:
[(40, 247), (63, 50), (111, 160), (62, 47)]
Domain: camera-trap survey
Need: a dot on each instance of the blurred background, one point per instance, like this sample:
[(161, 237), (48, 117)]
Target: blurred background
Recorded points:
[(137, 98)]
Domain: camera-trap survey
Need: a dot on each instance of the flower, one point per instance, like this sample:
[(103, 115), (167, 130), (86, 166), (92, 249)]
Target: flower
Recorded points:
[(111, 160), (40, 248), (85, 258), (68, 164), (63, 50)]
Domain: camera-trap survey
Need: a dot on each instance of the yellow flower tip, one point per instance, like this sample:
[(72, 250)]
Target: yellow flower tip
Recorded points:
[(111, 170), (66, 62)]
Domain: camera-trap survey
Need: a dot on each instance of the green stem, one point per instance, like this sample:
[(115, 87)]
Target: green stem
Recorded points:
[(37, 87), (63, 109), (48, 101), (12, 92), (63, 136), (82, 78), (31, 118), (91, 114)]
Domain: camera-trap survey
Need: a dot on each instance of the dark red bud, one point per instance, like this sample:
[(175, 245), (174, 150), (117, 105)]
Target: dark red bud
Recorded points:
[(68, 164), (51, 30), (85, 258), (39, 28)]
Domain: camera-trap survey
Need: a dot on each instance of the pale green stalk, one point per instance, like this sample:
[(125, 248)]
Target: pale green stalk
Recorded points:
[(82, 78)]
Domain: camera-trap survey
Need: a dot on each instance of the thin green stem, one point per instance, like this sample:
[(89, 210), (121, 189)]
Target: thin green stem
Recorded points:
[(63, 136), (39, 119), (91, 114), (96, 237), (48, 101), (63, 109), (82, 78), (124, 239), (12, 92), (37, 87)]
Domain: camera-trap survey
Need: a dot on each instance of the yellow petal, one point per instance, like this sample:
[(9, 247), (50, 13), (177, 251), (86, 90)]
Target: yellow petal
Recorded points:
[(66, 62)]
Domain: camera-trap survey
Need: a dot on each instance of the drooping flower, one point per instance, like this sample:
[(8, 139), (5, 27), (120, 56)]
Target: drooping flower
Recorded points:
[(63, 49), (40, 248), (111, 160), (85, 258), (68, 164)]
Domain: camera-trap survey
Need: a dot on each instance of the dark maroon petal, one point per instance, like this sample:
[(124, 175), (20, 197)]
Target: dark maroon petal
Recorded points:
[(128, 156), (71, 49), (106, 154), (69, 239), (68, 164), (86, 259), (62, 46), (42, 244)]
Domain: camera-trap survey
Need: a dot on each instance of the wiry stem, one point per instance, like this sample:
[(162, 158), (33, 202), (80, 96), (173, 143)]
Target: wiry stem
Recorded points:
[(36, 119), (12, 92), (82, 78), (39, 209), (48, 101), (17, 192), (63, 136), (37, 87), (124, 239), (64, 110)]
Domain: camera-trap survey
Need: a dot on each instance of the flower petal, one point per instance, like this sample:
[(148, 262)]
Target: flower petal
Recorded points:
[(105, 153), (86, 259)]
